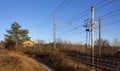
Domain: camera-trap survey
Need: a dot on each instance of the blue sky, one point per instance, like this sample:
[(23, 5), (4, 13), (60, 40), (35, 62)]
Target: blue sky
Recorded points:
[(33, 15)]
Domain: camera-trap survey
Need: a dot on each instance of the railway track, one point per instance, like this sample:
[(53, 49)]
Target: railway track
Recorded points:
[(105, 63)]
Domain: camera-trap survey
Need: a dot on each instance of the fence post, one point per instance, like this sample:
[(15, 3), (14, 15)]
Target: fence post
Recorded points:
[(76, 61), (96, 63), (118, 66)]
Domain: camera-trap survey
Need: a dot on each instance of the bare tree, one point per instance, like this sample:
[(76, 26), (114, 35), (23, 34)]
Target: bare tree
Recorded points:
[(40, 41), (104, 43)]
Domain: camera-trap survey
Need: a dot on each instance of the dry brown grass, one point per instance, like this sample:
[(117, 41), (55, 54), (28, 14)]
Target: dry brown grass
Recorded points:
[(14, 61)]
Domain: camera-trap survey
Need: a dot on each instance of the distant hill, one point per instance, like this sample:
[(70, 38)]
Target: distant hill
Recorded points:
[(14, 61)]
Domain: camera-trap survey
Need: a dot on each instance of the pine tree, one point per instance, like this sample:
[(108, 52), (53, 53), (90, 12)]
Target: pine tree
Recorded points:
[(15, 35)]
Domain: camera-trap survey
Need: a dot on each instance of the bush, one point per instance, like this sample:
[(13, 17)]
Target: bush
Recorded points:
[(55, 60), (10, 45)]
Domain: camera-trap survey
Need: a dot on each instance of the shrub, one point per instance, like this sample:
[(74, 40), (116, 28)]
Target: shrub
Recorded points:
[(55, 60)]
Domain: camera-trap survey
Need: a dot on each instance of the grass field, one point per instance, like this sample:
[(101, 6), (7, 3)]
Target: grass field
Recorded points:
[(15, 61)]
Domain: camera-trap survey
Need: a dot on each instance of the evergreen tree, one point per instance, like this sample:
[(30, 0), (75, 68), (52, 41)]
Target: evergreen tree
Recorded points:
[(15, 35)]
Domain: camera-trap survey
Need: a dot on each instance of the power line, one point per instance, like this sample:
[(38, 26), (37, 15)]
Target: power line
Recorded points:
[(95, 9), (111, 16), (87, 11), (71, 30), (104, 5), (99, 3), (54, 12), (63, 7), (57, 11), (112, 23), (111, 30), (109, 13), (78, 17), (76, 33)]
